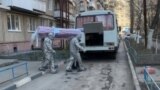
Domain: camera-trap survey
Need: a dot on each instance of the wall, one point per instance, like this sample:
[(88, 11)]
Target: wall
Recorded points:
[(1, 26), (49, 12)]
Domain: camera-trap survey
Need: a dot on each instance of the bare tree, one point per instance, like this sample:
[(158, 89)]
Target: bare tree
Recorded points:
[(132, 14), (156, 17), (153, 25)]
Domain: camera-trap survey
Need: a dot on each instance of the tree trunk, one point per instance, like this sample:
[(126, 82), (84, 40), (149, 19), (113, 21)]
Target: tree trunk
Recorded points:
[(132, 14), (150, 41), (156, 17), (153, 25), (145, 22)]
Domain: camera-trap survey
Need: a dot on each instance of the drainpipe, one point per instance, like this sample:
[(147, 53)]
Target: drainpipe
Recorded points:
[(61, 13)]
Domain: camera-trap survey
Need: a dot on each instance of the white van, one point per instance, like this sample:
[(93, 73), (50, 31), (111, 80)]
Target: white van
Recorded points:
[(100, 30)]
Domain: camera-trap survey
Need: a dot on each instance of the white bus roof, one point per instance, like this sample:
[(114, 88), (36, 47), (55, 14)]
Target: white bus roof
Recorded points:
[(95, 12)]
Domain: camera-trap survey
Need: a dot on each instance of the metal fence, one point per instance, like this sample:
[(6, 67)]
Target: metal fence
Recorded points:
[(14, 71), (149, 81), (140, 58), (132, 52)]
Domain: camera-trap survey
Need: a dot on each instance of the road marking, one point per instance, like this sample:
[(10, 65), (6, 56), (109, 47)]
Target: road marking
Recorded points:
[(23, 81)]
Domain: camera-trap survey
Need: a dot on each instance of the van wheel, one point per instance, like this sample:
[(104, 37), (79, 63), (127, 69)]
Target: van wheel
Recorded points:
[(83, 55), (113, 56)]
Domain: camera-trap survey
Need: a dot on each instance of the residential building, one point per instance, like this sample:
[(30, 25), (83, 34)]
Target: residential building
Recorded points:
[(103, 4), (81, 5), (110, 4), (19, 19), (64, 13)]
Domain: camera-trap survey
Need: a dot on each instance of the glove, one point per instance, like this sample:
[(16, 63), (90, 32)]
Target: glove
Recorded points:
[(54, 52), (84, 50)]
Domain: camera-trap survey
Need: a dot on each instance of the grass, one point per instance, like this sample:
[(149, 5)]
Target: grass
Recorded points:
[(143, 56), (140, 48), (36, 55)]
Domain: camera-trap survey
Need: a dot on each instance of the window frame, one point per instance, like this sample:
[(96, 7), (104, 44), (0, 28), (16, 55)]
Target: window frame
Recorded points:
[(50, 23), (14, 24), (32, 26), (42, 21)]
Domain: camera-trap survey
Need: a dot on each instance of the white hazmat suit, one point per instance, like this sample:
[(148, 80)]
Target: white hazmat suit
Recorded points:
[(49, 52), (75, 55)]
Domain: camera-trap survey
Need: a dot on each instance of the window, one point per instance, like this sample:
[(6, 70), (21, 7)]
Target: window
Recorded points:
[(50, 23), (82, 20), (50, 4), (81, 4), (13, 22), (42, 22), (107, 21), (82, 7), (32, 24)]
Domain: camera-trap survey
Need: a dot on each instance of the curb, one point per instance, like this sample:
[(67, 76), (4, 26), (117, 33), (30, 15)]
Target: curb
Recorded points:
[(134, 76), (23, 81)]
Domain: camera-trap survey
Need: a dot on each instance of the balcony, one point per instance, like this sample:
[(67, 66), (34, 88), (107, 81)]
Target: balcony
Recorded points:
[(19, 4), (82, 9), (4, 7), (57, 15), (39, 5), (71, 18), (29, 5)]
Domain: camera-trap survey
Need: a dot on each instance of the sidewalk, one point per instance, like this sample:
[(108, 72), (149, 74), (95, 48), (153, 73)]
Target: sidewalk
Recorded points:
[(32, 69), (155, 74)]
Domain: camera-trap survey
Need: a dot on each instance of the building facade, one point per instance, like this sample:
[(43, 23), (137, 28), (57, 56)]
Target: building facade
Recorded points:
[(19, 19), (81, 5), (64, 13)]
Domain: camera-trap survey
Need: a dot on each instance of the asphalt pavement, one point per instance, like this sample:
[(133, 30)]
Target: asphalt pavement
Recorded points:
[(104, 74)]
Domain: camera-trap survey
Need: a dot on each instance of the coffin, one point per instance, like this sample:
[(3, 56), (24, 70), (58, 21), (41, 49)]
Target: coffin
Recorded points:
[(43, 31), (59, 32)]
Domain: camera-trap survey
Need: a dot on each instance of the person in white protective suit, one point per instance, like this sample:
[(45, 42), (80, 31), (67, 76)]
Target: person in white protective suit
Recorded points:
[(48, 62), (75, 58)]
